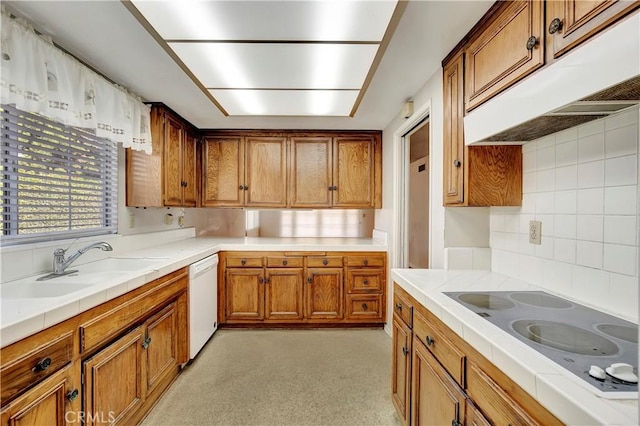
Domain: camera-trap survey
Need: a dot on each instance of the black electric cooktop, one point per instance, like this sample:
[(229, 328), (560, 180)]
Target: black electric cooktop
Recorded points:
[(572, 335)]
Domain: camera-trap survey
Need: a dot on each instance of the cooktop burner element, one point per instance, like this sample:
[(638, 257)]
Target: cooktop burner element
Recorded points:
[(572, 335), (542, 300), (565, 337), (487, 301)]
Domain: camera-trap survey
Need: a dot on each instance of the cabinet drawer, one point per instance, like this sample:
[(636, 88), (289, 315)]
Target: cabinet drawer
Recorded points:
[(445, 352), (486, 393), (322, 261), (364, 307), (36, 365), (244, 262), (403, 309), (284, 262), (364, 280), (367, 260)]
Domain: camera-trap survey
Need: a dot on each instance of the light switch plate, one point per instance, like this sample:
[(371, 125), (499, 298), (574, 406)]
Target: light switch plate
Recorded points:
[(535, 232)]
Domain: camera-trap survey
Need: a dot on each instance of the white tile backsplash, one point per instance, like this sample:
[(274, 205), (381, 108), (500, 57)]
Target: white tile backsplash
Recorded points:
[(590, 227)]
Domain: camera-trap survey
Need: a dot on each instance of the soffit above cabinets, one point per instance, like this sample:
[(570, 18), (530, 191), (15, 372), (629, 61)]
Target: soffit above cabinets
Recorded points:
[(275, 58)]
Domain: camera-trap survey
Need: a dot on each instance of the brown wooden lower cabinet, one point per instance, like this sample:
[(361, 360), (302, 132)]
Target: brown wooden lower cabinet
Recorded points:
[(297, 288), (401, 370), (324, 294), (108, 364), (435, 399), (46, 404), (113, 380), (451, 383)]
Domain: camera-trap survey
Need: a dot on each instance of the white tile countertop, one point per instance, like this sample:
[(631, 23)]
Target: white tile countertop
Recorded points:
[(561, 392), (23, 316)]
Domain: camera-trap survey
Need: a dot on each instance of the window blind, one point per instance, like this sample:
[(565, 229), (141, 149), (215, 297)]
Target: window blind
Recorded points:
[(58, 181)]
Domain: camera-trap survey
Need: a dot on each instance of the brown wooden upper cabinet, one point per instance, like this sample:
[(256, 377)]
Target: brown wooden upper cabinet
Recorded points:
[(244, 171), (167, 177), (334, 172), (509, 48), (570, 22), (297, 170), (474, 175)]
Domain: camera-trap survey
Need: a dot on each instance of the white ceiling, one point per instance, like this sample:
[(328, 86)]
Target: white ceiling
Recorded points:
[(105, 35)]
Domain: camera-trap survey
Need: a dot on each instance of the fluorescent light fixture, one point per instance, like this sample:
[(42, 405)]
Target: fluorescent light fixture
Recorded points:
[(324, 20), (287, 102), (296, 58), (274, 65)]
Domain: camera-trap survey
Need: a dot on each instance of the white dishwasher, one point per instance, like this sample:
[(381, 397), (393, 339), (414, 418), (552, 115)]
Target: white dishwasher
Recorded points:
[(203, 302)]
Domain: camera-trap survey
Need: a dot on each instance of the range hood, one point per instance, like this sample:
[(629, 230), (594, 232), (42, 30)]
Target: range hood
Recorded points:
[(597, 79)]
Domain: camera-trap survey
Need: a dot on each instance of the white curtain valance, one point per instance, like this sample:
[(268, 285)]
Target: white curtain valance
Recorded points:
[(38, 77)]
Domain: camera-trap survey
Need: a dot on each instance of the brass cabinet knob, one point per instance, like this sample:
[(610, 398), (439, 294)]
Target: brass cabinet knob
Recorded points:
[(555, 26)]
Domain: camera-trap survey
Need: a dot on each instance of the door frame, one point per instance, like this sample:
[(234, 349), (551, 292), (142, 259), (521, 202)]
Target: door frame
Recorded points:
[(400, 254)]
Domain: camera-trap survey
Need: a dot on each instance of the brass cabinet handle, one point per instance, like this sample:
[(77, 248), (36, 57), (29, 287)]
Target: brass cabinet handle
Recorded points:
[(457, 163), (531, 42), (365, 307), (325, 262), (365, 282), (555, 26), (243, 262), (245, 187), (405, 351), (284, 263), (429, 341), (366, 262), (399, 306), (310, 280), (43, 364)]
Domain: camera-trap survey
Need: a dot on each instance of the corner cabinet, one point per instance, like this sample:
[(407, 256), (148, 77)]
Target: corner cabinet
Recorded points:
[(439, 379), (292, 169), (474, 175), (109, 364), (167, 176), (301, 288)]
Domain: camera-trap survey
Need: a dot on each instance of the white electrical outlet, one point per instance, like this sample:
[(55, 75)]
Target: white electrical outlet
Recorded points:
[(535, 232)]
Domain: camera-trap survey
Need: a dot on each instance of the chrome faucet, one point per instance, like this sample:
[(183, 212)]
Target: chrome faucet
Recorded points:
[(60, 263)]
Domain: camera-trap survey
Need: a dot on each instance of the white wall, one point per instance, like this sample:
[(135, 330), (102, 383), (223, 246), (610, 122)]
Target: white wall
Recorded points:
[(582, 183)]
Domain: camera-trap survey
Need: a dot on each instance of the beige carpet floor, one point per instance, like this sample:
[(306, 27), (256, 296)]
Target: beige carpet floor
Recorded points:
[(284, 377)]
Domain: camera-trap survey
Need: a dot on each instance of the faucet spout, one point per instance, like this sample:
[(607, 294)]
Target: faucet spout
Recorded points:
[(60, 263)]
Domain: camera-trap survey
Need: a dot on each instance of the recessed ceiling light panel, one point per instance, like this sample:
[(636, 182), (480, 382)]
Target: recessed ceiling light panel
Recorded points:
[(358, 20), (287, 102), (288, 66)]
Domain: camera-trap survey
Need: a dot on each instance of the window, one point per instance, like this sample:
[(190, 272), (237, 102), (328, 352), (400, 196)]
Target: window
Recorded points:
[(58, 181)]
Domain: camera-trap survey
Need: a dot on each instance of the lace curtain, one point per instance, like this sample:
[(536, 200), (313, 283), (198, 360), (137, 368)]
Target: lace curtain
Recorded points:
[(39, 78)]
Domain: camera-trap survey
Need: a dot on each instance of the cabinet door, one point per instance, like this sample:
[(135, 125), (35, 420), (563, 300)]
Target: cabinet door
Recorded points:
[(223, 172), (475, 417), (581, 19), (244, 293), (437, 400), (161, 345), (401, 371), (496, 403), (454, 150), (353, 177), (266, 172), (190, 187), (502, 54), (113, 384), (45, 404), (310, 172), (283, 293), (323, 291), (173, 134)]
